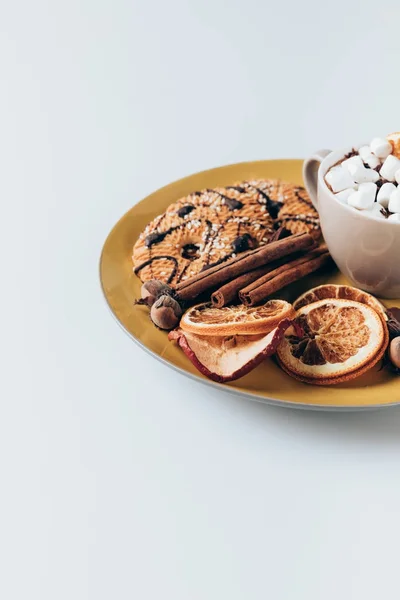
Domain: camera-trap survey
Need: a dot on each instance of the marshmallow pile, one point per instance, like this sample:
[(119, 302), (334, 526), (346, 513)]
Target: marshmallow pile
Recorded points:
[(369, 179)]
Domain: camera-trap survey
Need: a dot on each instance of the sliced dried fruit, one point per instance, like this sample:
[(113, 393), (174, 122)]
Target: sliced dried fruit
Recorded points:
[(339, 291), (205, 319), (226, 358), (341, 339)]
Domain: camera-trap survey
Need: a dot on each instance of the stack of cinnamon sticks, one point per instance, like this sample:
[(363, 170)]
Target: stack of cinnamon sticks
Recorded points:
[(254, 275)]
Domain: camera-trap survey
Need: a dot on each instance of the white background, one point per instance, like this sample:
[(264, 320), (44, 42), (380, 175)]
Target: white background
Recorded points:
[(119, 479)]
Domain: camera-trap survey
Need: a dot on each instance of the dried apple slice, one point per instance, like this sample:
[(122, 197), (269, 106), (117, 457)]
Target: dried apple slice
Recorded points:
[(226, 358)]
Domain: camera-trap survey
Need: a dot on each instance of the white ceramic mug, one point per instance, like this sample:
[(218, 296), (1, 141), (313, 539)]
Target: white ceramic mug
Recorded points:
[(366, 250)]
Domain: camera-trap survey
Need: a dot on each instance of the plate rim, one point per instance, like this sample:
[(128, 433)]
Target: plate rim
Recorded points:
[(193, 376)]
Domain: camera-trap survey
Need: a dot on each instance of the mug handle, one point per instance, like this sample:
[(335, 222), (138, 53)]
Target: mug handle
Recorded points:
[(310, 174)]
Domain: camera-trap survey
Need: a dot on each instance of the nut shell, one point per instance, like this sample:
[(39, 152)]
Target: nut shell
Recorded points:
[(153, 289), (394, 352), (166, 312)]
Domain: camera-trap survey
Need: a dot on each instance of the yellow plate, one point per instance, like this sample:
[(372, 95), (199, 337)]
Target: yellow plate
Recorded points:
[(267, 383)]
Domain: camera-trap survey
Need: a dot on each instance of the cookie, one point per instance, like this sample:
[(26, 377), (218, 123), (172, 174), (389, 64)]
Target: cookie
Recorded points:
[(295, 209), (210, 226)]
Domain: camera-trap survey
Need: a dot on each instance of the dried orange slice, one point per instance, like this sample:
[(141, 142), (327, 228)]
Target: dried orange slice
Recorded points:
[(204, 319), (340, 291), (394, 139), (341, 340)]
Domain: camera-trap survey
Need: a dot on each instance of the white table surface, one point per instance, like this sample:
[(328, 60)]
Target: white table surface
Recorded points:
[(120, 479)]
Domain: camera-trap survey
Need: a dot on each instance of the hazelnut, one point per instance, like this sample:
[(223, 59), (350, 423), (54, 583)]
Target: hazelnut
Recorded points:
[(165, 312), (152, 289), (394, 352)]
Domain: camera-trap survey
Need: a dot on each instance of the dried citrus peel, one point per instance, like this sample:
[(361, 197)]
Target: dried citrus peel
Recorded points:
[(206, 320), (341, 339)]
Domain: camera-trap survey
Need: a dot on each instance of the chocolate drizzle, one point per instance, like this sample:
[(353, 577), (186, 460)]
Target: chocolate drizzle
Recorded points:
[(185, 210), (237, 188), (158, 236), (182, 273), (231, 203), (190, 251), (217, 262), (155, 238), (151, 260), (273, 207), (243, 243), (301, 199)]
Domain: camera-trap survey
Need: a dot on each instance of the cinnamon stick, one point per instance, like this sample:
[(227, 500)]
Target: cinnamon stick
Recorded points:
[(228, 293), (280, 277), (219, 274)]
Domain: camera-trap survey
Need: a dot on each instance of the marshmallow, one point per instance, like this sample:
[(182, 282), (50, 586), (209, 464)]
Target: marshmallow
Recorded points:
[(363, 175), (357, 201), (384, 194), (395, 218), (352, 163), (394, 202), (389, 168), (364, 151), (364, 197), (381, 147), (372, 161), (368, 188), (344, 195), (397, 176), (339, 179), (376, 211)]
